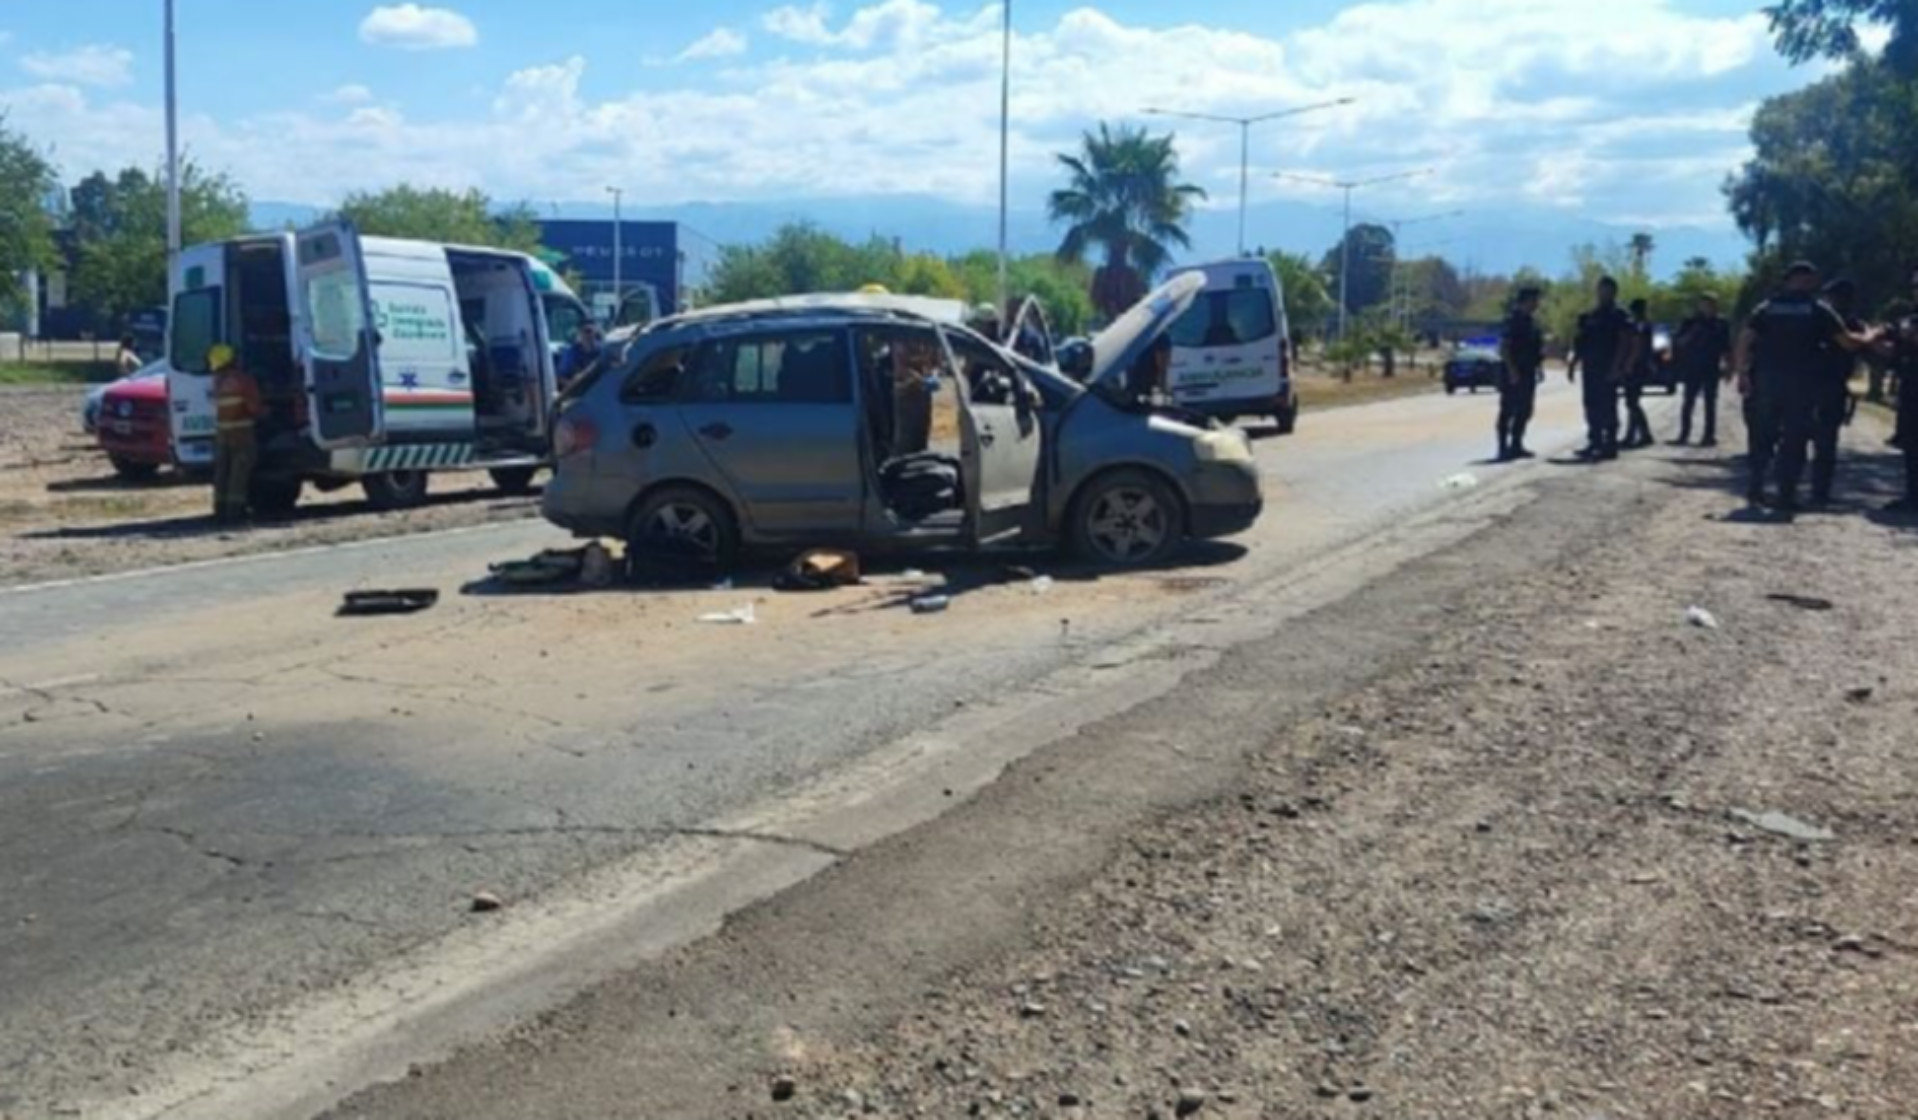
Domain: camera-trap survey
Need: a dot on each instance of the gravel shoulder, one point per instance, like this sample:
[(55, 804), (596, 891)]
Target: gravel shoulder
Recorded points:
[(1485, 839), (64, 513)]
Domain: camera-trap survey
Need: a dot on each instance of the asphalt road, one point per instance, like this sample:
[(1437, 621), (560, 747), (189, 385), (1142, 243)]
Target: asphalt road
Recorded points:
[(222, 809)]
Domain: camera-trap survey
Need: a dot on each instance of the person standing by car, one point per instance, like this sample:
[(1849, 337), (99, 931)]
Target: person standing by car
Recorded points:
[(1704, 342), (1600, 348), (239, 407), (580, 354), (1638, 373), (1522, 350), (126, 360), (1780, 354), (1900, 350), (1833, 405)]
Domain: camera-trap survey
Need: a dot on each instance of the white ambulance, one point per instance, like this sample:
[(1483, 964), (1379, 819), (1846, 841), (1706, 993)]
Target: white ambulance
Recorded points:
[(380, 360), (1231, 353)]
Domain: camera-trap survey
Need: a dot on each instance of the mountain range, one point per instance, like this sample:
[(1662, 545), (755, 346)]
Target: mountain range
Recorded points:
[(1500, 242)]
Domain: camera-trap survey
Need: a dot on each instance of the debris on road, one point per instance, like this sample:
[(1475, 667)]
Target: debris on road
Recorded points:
[(931, 604), (597, 568), (1464, 480), (1779, 824), (402, 601), (485, 902), (820, 569), (784, 1088), (1701, 618), (1802, 602), (739, 616)]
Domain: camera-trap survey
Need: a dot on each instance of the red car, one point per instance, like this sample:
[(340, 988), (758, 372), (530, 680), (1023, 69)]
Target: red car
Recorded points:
[(134, 429)]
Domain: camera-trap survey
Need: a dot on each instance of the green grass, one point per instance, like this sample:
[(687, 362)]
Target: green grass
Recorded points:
[(55, 373)]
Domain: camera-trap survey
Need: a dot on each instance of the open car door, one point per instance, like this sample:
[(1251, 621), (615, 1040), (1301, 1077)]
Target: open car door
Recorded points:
[(1031, 335), (1001, 441), (341, 343)]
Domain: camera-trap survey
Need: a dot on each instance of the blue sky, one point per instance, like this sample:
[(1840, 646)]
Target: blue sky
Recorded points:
[(1628, 111)]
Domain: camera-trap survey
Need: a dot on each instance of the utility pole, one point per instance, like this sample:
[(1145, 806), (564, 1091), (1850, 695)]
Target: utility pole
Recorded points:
[(619, 250), (1345, 240), (1005, 152), (1245, 142), (172, 159)]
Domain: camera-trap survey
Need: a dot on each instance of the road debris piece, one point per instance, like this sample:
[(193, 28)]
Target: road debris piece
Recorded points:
[(1779, 824), (1802, 602), (820, 569), (1464, 480), (548, 568), (1701, 618), (1041, 585), (597, 567), (784, 1088), (485, 902), (739, 616), (409, 600), (931, 604)]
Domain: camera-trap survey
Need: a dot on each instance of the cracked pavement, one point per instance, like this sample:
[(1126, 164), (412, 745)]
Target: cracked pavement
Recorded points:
[(216, 797)]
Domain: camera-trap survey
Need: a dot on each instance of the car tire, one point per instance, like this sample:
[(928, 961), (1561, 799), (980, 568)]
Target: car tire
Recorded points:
[(1287, 421), (395, 489), (1451, 390), (274, 495), (699, 527), (133, 470), (1127, 519), (513, 481)]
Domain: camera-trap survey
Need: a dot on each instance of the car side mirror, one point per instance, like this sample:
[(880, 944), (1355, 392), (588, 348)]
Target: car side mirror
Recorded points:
[(1075, 359)]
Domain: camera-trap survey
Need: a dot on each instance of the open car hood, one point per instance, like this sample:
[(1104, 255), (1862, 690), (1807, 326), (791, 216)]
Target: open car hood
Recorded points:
[(1120, 345)]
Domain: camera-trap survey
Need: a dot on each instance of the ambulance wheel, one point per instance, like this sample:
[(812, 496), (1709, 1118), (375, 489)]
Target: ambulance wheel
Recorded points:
[(1287, 420), (395, 489), (133, 470), (513, 480), (274, 497)]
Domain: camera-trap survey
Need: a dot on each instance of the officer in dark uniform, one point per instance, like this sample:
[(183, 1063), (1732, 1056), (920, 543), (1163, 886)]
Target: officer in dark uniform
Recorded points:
[(1638, 373), (1704, 342), (1780, 355), (1523, 351), (1602, 345), (1900, 348), (1833, 406)]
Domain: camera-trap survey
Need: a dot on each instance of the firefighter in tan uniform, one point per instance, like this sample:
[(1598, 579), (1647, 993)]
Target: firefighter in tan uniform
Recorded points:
[(236, 450)]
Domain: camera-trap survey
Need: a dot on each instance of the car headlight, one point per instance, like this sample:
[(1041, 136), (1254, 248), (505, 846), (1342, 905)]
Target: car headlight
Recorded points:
[(1223, 447)]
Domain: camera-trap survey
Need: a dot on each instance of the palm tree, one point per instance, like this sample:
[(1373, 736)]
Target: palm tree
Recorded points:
[(1642, 246), (1125, 200)]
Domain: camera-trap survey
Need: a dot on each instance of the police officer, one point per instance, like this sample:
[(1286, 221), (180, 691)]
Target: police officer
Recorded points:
[(1780, 354), (1602, 345), (1523, 351), (1833, 405), (1704, 342), (1900, 347), (238, 409), (1638, 372)]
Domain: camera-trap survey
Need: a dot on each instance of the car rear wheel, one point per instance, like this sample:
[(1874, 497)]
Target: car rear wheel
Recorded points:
[(133, 470), (1127, 519), (513, 480), (1287, 420), (681, 525), (395, 489)]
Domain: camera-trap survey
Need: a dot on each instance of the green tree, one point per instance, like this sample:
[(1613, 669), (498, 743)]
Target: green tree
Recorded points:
[(1063, 289), (1373, 254), (26, 234), (1123, 199), (1432, 288), (435, 214), (1308, 305), (1641, 247), (121, 223), (1810, 29)]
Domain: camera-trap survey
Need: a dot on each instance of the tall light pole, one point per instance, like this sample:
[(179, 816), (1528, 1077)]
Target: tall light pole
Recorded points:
[(1245, 141), (172, 159), (1005, 150), (1345, 240), (619, 249)]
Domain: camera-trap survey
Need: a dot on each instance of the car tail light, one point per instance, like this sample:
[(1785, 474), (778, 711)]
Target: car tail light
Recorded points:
[(574, 437)]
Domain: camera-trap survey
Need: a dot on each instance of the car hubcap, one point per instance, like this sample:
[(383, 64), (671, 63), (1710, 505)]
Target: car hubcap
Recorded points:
[(686, 527), (1127, 525)]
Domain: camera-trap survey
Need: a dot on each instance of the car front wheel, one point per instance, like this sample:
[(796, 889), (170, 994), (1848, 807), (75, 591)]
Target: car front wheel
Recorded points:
[(1128, 519)]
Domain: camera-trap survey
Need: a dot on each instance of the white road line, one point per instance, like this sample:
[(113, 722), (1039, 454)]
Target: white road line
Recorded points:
[(259, 557)]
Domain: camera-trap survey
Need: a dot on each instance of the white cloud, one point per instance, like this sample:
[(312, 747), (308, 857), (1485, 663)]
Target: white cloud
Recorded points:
[(351, 94), (415, 28), (722, 43), (1633, 107), (92, 65)]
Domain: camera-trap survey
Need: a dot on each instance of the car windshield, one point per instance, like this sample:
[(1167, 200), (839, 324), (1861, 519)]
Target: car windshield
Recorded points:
[(1235, 317)]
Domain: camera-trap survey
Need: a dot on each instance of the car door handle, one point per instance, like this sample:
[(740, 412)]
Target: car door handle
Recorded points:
[(717, 431), (645, 435), (986, 437)]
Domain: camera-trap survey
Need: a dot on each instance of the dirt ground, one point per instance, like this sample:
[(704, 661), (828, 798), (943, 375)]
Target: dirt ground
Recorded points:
[(64, 513), (1533, 875)]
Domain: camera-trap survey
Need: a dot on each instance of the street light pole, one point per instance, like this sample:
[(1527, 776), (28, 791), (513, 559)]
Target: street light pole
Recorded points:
[(1245, 142), (619, 249), (172, 158), (1005, 151), (1345, 240)]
